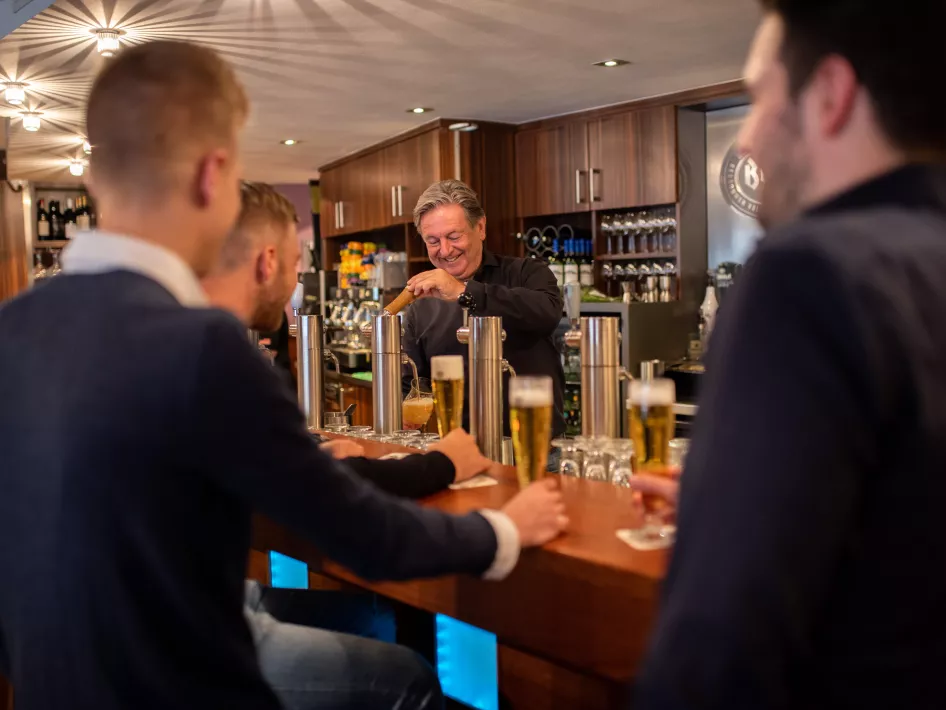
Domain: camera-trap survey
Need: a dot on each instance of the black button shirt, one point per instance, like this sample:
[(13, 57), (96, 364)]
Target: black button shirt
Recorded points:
[(523, 292), (810, 565)]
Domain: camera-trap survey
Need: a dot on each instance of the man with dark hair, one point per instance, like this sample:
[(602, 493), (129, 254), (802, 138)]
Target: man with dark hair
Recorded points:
[(810, 566), (146, 427)]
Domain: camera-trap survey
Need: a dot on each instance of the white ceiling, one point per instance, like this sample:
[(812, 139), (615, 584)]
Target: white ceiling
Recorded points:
[(339, 74)]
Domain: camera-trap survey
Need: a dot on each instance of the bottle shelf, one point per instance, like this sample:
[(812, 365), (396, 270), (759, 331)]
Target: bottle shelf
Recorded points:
[(50, 244), (637, 257)]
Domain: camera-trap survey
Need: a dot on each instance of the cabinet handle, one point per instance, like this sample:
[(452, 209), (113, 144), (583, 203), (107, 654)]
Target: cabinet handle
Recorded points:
[(578, 199), (595, 197), (341, 215), (393, 203), (336, 216), (400, 201)]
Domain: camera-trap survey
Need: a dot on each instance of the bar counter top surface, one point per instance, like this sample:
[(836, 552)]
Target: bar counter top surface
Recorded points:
[(585, 601)]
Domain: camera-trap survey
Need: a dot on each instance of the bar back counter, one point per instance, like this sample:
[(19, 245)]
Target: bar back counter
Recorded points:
[(571, 621)]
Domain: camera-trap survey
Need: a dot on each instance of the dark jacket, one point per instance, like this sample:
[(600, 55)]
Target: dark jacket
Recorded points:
[(137, 437), (523, 292), (810, 566)]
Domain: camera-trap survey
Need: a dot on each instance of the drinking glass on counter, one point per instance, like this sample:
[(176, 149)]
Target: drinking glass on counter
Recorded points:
[(621, 452), (594, 465), (651, 424), (359, 432), (530, 417), (335, 422), (569, 463), (447, 376), (418, 405)]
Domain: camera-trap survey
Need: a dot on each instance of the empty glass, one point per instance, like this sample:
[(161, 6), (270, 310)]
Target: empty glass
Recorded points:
[(359, 432), (335, 422), (619, 468), (570, 458), (594, 460)]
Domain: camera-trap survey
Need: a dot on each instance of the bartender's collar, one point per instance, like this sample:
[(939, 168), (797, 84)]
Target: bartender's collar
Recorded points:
[(489, 259)]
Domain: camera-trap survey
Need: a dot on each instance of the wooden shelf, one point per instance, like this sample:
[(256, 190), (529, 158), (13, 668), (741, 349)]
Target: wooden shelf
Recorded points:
[(51, 244), (418, 260), (637, 257)]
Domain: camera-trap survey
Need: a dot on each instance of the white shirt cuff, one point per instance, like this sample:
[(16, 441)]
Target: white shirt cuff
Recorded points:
[(507, 544)]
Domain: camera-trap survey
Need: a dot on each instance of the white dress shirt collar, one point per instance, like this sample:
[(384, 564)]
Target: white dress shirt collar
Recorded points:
[(98, 252)]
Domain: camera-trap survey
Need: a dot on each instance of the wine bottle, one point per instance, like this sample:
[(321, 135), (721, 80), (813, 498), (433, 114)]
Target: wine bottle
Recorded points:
[(571, 265), (69, 219), (57, 228), (42, 222), (586, 271), (556, 265)]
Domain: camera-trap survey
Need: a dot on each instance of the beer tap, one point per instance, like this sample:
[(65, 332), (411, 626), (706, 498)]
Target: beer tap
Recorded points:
[(385, 331), (311, 354), (484, 335)]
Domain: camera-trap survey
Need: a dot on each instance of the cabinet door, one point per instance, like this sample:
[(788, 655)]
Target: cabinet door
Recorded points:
[(552, 170), (328, 199), (411, 166), (633, 159), (368, 203)]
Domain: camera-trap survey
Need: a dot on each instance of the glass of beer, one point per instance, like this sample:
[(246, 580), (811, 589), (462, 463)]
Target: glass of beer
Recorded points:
[(418, 405), (650, 420), (446, 374), (530, 417)]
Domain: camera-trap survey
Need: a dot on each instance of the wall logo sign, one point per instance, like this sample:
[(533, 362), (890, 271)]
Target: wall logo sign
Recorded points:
[(741, 182)]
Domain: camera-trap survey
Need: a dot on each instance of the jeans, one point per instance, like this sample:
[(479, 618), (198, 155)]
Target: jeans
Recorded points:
[(312, 665)]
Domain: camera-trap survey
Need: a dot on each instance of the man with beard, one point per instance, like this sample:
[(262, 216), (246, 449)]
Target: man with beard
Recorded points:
[(810, 566), (295, 631)]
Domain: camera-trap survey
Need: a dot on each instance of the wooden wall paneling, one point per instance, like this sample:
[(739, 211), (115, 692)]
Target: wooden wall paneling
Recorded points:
[(14, 259), (691, 210), (530, 683), (552, 170)]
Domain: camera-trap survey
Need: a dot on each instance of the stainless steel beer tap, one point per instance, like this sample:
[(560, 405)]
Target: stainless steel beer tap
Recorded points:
[(385, 331), (599, 341), (485, 336)]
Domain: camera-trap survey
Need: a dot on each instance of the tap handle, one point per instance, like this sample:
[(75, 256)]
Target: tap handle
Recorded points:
[(468, 304), (508, 368), (573, 301)]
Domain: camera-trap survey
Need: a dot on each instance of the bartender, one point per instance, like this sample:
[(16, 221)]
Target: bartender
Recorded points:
[(523, 292)]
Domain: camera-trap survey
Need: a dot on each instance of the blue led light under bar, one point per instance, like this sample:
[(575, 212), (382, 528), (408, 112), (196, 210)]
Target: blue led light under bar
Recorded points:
[(287, 573), (466, 663)]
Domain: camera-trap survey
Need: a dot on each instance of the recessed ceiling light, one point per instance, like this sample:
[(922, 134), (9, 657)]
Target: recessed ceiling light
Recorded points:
[(419, 110), (290, 141), (611, 63), (77, 167), (14, 92), (108, 43), (31, 121)]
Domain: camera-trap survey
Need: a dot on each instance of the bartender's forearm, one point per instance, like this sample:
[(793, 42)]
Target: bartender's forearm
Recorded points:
[(525, 309), (415, 476)]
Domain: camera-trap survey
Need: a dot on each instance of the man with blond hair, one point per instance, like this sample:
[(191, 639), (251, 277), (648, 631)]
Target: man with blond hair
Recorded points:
[(146, 428)]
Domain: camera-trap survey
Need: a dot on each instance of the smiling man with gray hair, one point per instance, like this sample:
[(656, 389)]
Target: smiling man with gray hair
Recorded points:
[(523, 292)]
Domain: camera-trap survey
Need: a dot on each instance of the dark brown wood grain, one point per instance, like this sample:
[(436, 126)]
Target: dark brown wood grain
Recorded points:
[(585, 601), (14, 259), (551, 170)]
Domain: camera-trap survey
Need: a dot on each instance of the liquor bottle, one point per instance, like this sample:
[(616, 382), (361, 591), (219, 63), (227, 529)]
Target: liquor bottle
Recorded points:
[(571, 264), (708, 310), (586, 269), (69, 219), (556, 265), (42, 222), (82, 214), (57, 227)]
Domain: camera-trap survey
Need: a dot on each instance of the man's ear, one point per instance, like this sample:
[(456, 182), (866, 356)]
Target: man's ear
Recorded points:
[(210, 173), (481, 228), (266, 263)]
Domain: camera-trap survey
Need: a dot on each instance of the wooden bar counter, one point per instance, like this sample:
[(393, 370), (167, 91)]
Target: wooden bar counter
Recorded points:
[(573, 618)]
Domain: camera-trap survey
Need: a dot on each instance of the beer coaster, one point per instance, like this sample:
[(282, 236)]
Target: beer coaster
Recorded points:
[(395, 455), (633, 538), (480, 481)]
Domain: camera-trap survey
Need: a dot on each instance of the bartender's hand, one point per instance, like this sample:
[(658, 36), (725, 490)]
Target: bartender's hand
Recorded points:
[(342, 448), (665, 487), (538, 512), (436, 284), (461, 449)]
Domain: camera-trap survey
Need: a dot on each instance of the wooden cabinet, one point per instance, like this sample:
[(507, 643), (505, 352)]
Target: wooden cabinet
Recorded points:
[(551, 170), (411, 166), (330, 194), (622, 160)]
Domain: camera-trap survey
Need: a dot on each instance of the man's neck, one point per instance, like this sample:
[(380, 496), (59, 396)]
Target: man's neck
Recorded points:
[(154, 228), (871, 162), (231, 293)]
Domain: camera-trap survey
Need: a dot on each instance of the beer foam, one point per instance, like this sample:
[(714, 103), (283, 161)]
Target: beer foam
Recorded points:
[(446, 367), (536, 393), (653, 393)]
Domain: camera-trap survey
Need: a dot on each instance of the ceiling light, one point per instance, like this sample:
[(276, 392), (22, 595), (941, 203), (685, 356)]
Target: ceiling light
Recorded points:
[(612, 63), (108, 42), (289, 141), (76, 167), (419, 110), (86, 147), (14, 93), (463, 126), (31, 121)]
